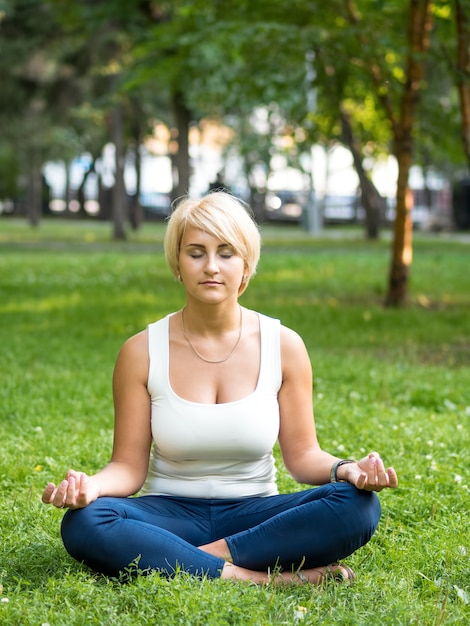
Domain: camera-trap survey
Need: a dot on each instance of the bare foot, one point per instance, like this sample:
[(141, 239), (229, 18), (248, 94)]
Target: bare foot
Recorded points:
[(314, 576), (336, 571)]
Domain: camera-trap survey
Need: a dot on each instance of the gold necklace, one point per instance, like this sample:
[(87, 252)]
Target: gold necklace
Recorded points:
[(200, 355)]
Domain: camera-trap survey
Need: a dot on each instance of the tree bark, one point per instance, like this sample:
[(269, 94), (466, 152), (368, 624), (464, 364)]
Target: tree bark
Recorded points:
[(81, 189), (419, 26), (119, 191), (181, 158), (34, 190), (463, 74), (372, 201), (420, 19), (136, 212)]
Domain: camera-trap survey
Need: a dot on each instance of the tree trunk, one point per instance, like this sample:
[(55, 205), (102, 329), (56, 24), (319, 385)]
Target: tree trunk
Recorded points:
[(34, 190), (372, 201), (136, 211), (463, 74), (181, 158), (81, 189), (419, 26), (402, 248), (67, 193), (418, 42), (119, 191)]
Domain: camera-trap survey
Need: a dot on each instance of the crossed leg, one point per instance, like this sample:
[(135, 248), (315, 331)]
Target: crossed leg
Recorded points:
[(314, 576)]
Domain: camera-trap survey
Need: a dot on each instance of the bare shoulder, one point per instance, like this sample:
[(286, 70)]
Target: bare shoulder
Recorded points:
[(136, 345), (291, 341), (134, 353), (294, 353)]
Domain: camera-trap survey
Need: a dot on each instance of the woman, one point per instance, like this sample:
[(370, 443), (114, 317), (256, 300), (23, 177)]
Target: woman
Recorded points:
[(208, 390)]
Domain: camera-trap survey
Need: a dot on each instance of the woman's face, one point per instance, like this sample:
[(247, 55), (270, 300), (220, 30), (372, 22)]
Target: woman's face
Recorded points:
[(210, 269)]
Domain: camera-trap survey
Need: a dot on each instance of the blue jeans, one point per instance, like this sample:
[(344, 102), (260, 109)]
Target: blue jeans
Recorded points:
[(303, 529)]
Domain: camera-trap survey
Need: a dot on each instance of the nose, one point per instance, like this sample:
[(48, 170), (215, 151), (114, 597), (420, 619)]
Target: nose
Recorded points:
[(212, 266)]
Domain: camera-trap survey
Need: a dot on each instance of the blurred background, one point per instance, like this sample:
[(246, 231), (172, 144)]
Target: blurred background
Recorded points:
[(350, 112)]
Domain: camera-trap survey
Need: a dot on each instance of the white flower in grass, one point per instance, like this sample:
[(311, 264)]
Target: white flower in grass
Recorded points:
[(430, 443), (341, 448), (5, 600), (319, 396), (462, 551), (462, 594), (449, 405), (467, 410), (429, 457), (418, 477), (457, 478), (299, 613)]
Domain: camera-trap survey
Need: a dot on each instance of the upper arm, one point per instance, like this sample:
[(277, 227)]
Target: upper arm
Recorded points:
[(297, 435), (132, 426)]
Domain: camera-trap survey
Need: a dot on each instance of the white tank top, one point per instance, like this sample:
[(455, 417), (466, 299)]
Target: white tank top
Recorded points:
[(213, 450)]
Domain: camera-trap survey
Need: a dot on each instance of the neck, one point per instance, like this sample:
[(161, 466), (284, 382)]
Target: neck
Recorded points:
[(212, 320), (214, 337)]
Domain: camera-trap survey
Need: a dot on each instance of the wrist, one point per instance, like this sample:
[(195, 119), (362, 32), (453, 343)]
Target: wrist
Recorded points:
[(338, 470)]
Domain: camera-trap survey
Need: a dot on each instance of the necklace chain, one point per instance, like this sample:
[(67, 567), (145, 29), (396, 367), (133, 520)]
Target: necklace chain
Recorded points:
[(198, 354)]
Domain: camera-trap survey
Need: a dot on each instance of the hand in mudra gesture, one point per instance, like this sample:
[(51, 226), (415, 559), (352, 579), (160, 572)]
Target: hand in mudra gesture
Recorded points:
[(76, 491), (369, 473)]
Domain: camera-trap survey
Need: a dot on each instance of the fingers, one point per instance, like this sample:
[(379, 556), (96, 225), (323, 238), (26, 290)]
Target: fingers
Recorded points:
[(48, 493), (82, 494), (61, 494), (55, 495), (375, 477), (73, 474), (361, 482), (71, 490), (392, 477), (380, 475)]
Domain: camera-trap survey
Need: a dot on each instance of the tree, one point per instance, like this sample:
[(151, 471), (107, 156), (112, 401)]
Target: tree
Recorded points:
[(463, 72), (398, 91), (27, 78), (419, 26)]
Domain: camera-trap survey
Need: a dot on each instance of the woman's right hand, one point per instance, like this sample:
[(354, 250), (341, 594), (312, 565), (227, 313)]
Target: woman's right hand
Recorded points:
[(76, 491)]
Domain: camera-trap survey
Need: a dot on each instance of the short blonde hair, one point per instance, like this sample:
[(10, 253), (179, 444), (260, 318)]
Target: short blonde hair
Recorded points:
[(221, 215)]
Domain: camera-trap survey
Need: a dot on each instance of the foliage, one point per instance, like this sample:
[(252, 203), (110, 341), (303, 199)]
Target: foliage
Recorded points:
[(395, 381)]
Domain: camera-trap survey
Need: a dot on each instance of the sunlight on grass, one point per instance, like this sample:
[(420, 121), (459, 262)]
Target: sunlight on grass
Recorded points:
[(393, 380)]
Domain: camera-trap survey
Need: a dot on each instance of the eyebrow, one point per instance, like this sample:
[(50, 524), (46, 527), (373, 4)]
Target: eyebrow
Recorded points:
[(201, 245)]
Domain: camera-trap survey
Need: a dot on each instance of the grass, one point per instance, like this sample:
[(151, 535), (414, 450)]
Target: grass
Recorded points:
[(393, 380)]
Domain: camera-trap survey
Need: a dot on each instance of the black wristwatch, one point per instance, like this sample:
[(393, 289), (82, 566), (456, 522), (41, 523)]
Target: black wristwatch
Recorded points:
[(334, 469)]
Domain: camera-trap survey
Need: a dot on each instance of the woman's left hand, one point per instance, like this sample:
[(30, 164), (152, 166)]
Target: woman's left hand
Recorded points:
[(370, 473)]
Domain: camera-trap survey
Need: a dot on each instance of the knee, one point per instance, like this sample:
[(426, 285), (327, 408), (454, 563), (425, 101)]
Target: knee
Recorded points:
[(363, 506), (79, 529), (73, 529)]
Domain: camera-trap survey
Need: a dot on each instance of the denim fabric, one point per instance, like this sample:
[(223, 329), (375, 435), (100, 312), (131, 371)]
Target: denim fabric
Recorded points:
[(307, 528)]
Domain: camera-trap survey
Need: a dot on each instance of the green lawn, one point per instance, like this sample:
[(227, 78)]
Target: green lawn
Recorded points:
[(393, 380)]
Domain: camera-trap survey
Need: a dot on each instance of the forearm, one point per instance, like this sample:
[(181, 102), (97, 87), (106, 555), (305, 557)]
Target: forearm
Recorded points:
[(316, 467), (118, 479), (313, 467)]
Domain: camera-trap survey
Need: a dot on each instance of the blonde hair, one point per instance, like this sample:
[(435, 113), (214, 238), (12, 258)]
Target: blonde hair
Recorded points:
[(221, 215)]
